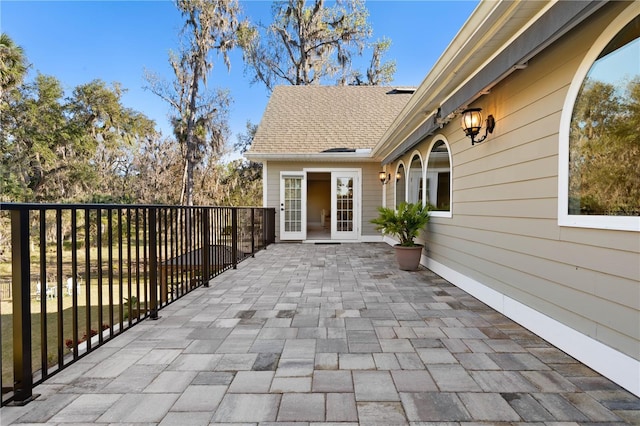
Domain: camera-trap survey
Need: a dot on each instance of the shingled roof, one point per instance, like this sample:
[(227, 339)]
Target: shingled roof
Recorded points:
[(313, 119)]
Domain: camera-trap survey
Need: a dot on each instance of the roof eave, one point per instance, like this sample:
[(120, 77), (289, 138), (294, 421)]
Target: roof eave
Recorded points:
[(439, 98), (444, 75), (341, 157)]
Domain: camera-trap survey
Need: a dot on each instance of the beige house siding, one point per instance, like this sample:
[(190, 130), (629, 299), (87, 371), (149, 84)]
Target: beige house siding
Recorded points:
[(371, 197), (371, 187), (504, 228)]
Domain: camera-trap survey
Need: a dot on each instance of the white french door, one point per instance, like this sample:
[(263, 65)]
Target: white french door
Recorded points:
[(293, 206), (345, 195)]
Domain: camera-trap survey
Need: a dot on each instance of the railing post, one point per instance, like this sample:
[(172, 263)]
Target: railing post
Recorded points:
[(21, 288), (272, 226), (153, 264), (206, 246), (265, 227), (234, 237), (253, 232)]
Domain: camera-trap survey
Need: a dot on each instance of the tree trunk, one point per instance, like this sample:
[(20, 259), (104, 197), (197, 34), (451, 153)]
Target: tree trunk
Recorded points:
[(191, 127), (184, 182)]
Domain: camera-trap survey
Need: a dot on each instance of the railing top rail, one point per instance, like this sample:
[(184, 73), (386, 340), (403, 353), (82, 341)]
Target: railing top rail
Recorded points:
[(93, 206)]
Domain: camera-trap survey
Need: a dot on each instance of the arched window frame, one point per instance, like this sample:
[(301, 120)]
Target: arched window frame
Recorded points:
[(440, 138), (422, 174), (395, 183), (624, 223)]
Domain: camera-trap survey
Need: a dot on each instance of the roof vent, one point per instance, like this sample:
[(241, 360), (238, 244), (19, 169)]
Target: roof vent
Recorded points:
[(397, 90), (340, 150)]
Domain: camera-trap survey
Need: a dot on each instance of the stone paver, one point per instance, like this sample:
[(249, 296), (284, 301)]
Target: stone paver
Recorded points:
[(374, 386), (327, 334), (251, 382), (341, 407), (413, 381), (381, 413), (434, 406), (86, 408), (291, 385), (332, 381), (245, 408), (200, 398), (186, 419), (139, 408), (171, 381), (302, 407)]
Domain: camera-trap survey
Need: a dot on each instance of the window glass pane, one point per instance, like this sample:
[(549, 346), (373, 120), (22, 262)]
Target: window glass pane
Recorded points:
[(439, 177), (415, 180), (604, 139), (400, 185)]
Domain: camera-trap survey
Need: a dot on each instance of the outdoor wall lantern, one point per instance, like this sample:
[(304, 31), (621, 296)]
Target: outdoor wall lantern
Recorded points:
[(472, 123), (386, 178)]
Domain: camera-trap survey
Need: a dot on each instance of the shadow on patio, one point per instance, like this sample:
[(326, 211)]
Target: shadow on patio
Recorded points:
[(327, 333)]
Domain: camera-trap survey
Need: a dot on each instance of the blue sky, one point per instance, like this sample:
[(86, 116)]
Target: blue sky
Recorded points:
[(115, 41)]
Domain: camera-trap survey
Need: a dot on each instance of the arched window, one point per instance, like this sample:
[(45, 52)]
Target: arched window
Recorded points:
[(602, 149), (439, 179), (414, 180), (400, 185)]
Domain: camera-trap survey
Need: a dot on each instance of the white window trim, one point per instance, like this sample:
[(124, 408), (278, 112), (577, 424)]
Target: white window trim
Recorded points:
[(434, 140), (622, 223)]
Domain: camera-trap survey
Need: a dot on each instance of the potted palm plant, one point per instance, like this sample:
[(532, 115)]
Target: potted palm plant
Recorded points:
[(405, 223)]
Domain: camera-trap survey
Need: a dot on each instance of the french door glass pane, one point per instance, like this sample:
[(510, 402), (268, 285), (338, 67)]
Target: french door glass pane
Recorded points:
[(344, 213), (293, 204)]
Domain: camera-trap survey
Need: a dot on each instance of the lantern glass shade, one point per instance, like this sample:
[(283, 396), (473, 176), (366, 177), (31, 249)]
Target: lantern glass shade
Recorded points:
[(383, 177), (472, 121)]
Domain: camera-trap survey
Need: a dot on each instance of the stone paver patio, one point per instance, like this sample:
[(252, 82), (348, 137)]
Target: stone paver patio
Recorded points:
[(327, 334)]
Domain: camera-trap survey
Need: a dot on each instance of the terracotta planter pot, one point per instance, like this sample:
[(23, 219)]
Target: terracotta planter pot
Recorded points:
[(408, 257)]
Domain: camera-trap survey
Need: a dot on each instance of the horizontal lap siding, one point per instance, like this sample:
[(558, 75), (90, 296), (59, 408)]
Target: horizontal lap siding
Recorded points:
[(579, 309), (371, 197), (504, 231), (273, 192), (578, 266)]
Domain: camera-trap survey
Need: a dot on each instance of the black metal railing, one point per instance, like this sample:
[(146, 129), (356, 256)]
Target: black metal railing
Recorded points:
[(79, 275)]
